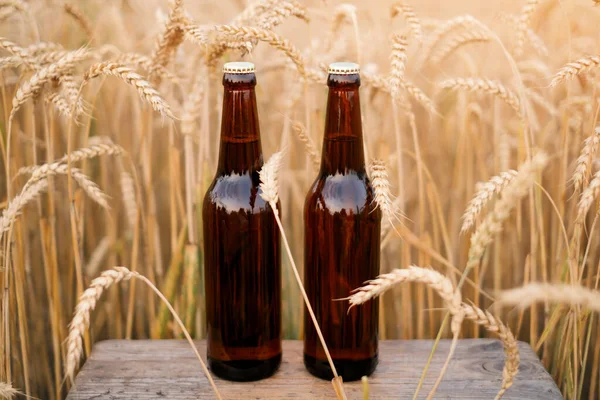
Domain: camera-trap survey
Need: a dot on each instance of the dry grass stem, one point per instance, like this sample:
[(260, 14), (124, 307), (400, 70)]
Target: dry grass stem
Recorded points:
[(484, 194)]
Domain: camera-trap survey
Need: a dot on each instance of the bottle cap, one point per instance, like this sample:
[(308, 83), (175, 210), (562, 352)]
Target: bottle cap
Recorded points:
[(343, 68), (240, 67)]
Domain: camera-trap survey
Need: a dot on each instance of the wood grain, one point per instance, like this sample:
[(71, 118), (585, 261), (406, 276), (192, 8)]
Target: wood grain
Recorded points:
[(168, 369)]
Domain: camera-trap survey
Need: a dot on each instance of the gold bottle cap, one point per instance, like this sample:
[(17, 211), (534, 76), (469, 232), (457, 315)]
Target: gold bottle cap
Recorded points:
[(239, 67), (343, 68)]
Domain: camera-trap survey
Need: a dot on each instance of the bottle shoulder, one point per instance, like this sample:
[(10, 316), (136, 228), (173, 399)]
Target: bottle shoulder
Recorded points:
[(236, 192), (348, 192)]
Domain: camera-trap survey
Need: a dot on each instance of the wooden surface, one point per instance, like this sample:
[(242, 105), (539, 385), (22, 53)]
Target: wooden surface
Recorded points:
[(168, 369)]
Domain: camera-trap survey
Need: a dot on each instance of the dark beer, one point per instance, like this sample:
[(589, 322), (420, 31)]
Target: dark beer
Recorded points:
[(241, 245), (342, 228)]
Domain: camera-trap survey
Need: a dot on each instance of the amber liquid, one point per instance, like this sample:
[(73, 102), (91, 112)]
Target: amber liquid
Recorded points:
[(342, 237), (241, 248)]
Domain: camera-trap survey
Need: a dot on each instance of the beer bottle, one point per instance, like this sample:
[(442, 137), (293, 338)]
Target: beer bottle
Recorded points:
[(342, 228), (242, 256)]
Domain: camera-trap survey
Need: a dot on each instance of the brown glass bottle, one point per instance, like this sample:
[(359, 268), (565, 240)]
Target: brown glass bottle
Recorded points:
[(342, 228), (242, 256)]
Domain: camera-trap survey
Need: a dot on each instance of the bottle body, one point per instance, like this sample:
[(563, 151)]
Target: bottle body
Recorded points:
[(342, 240), (341, 253), (241, 250)]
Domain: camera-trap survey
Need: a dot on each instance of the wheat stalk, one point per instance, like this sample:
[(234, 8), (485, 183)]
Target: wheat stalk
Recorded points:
[(486, 86), (572, 69), (143, 87), (309, 146), (584, 161), (269, 37), (411, 19), (570, 294), (510, 197), (97, 256), (524, 21), (87, 303), (485, 193), (269, 191), (436, 281), (511, 347), (533, 38), (458, 41)]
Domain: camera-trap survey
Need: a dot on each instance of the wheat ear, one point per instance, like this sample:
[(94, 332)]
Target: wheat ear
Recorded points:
[(510, 197), (16, 50), (411, 18), (458, 41), (584, 161), (464, 21), (524, 21), (588, 196), (280, 11), (7, 391), (398, 64), (143, 87), (572, 69), (383, 194), (86, 153), (439, 283), (87, 302), (573, 295), (485, 193), (83, 21), (14, 208), (170, 39), (512, 356), (34, 85), (309, 146), (269, 191), (485, 86), (129, 199), (267, 36)]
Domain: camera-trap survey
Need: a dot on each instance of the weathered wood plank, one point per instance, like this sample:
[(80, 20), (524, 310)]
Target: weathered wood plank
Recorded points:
[(168, 369)]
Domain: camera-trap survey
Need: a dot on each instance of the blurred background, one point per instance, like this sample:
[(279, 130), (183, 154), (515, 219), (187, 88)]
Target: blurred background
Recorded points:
[(459, 138)]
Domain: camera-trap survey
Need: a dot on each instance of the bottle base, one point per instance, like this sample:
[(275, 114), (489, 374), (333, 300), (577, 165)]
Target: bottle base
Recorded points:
[(349, 370), (244, 370)]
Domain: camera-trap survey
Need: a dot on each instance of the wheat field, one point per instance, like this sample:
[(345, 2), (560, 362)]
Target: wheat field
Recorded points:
[(481, 133)]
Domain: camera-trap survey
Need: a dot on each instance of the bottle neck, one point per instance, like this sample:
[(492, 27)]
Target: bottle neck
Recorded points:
[(343, 139), (240, 149)]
